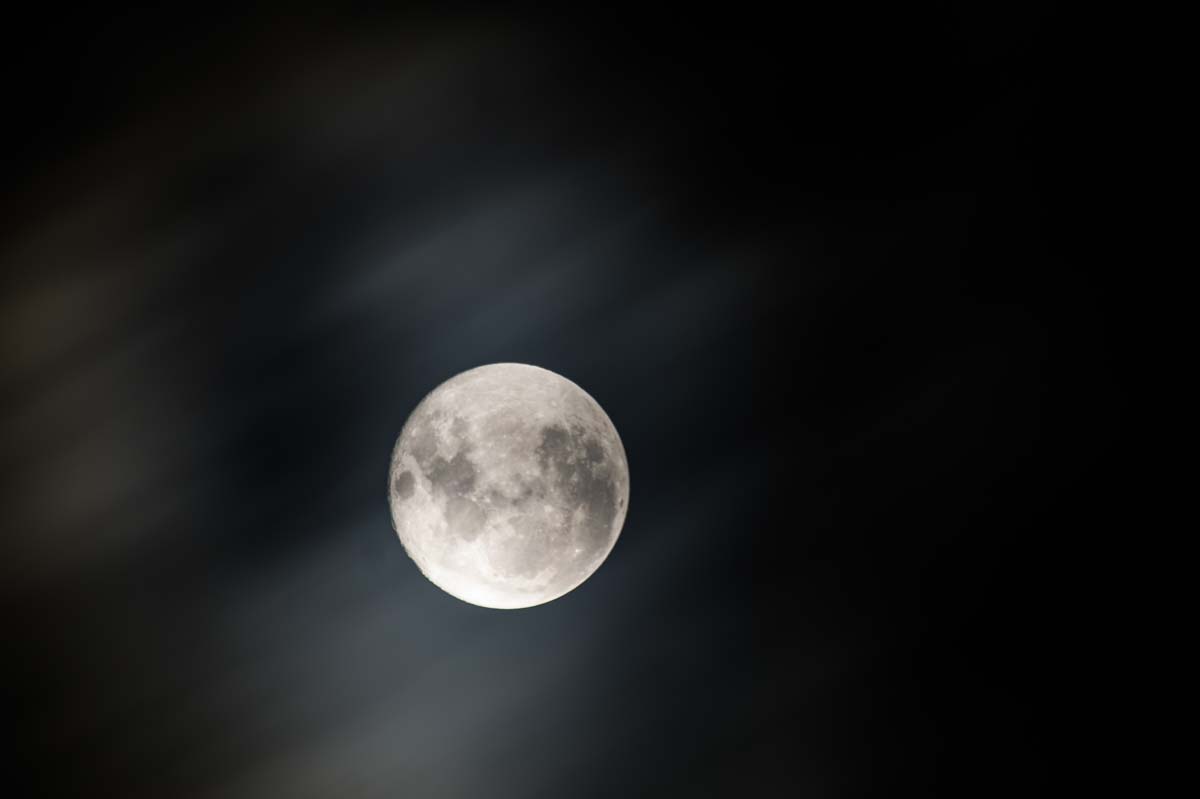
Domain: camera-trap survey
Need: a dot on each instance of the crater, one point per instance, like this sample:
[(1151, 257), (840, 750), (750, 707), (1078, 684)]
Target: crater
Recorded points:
[(465, 518), (526, 552)]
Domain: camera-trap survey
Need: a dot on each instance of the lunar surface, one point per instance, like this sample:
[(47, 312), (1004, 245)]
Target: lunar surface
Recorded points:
[(508, 486)]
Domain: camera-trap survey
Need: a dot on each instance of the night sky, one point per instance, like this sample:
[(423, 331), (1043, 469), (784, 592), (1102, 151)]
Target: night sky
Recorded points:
[(821, 272)]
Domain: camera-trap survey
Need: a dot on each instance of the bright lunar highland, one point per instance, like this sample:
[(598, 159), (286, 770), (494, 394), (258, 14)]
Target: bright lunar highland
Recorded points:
[(508, 486)]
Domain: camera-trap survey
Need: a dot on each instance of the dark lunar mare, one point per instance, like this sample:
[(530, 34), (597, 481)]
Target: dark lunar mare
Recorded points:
[(456, 477), (585, 481), (404, 485)]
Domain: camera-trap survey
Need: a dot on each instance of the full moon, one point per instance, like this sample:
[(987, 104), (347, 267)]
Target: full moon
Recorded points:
[(508, 486)]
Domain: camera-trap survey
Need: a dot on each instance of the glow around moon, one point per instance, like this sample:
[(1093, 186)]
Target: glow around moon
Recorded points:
[(508, 486)]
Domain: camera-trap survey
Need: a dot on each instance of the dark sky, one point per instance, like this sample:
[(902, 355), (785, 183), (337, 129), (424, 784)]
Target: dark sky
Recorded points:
[(821, 271)]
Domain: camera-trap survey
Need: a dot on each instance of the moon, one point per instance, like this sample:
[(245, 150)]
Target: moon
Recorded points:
[(508, 486)]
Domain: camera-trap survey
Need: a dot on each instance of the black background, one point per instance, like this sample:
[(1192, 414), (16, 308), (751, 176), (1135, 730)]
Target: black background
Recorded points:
[(823, 271)]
